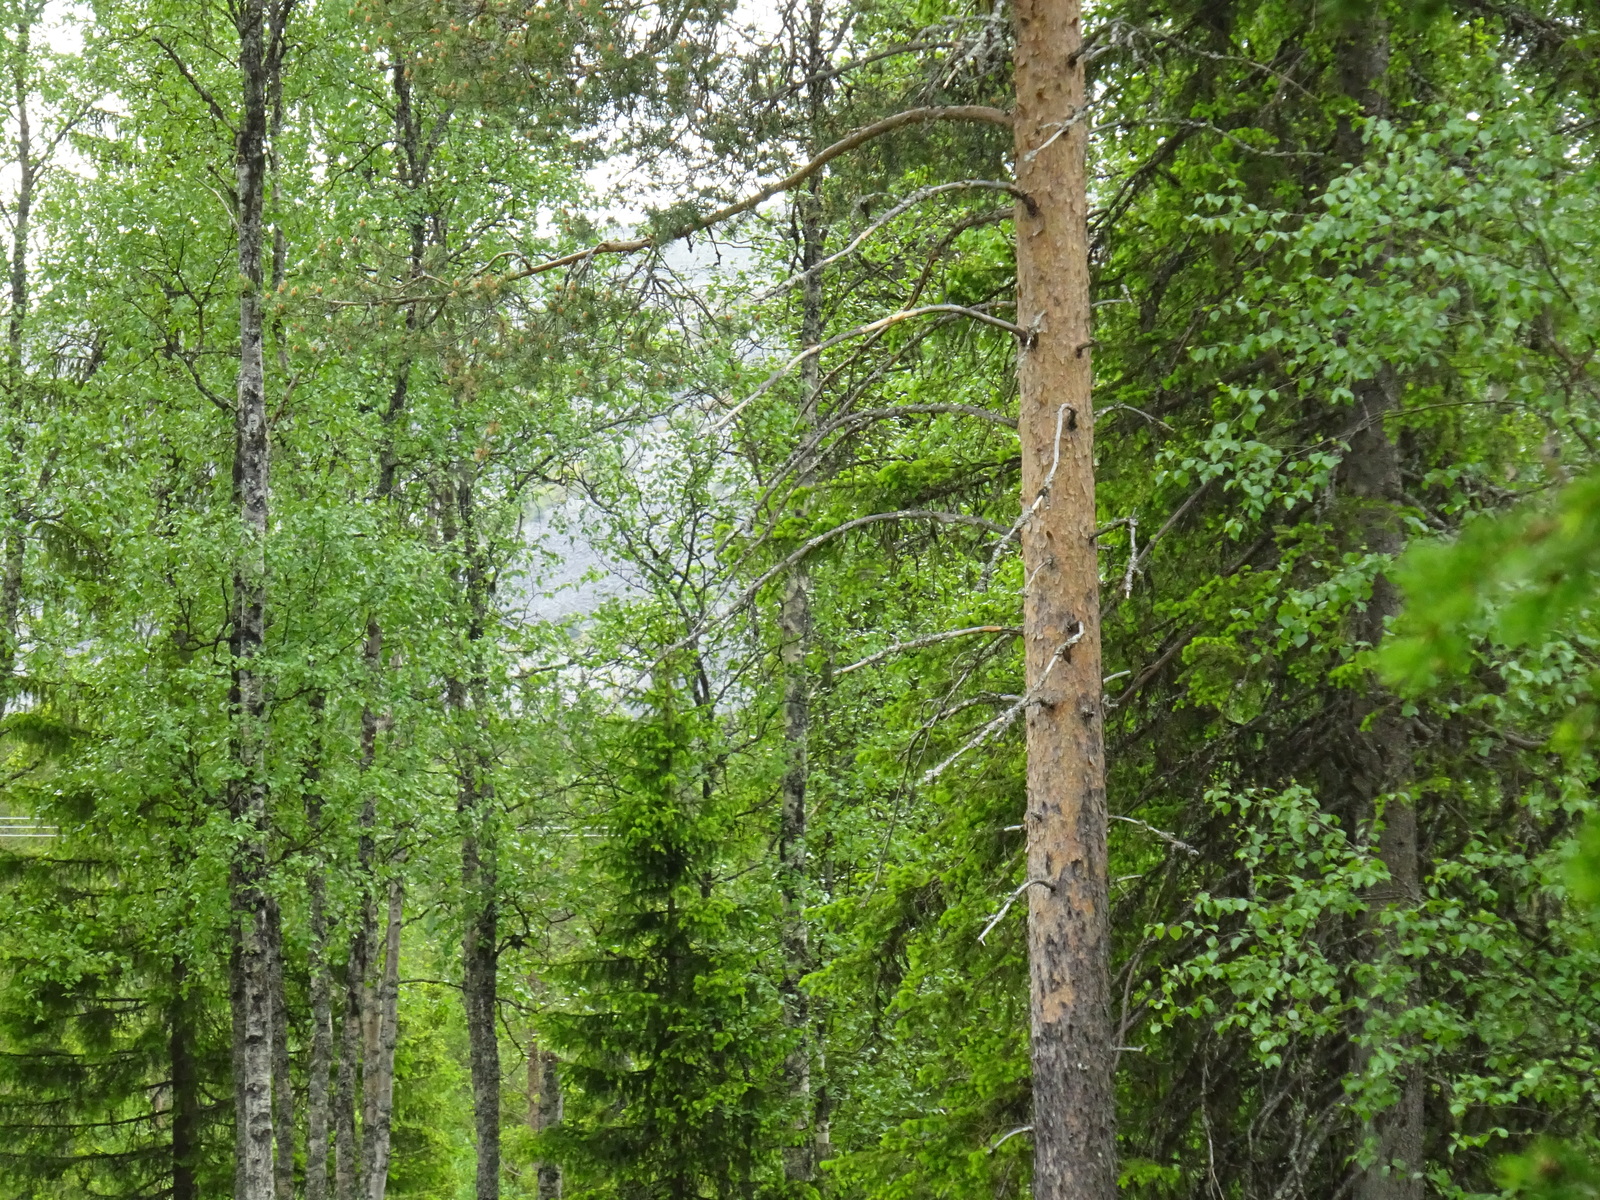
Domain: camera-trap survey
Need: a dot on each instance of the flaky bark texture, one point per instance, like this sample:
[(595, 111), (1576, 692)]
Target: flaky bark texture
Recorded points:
[(248, 790), (1068, 925)]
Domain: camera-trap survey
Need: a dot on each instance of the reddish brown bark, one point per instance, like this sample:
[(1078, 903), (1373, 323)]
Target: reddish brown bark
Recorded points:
[(1068, 926)]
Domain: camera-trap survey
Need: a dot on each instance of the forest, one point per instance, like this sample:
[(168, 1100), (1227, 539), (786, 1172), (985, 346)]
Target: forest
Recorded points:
[(799, 599)]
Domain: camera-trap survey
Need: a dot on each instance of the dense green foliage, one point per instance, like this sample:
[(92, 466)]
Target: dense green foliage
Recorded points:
[(536, 540)]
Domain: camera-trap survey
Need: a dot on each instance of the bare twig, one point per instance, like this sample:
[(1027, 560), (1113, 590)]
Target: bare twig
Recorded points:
[(931, 640), (1004, 720), (1010, 900), (1044, 490), (1170, 839), (1008, 1135), (199, 88)]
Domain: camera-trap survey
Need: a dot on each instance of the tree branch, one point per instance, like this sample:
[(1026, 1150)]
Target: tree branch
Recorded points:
[(968, 113), (931, 640), (183, 69)]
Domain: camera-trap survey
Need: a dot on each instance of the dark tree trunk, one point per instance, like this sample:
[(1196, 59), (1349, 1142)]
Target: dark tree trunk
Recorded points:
[(794, 625), (185, 1087), (320, 1060), (346, 1161), (480, 974), (1378, 764), (1069, 933), (1379, 756), (480, 950)]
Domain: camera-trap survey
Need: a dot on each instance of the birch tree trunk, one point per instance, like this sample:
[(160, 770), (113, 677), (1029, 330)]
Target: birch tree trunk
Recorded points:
[(346, 1164), (321, 1058), (795, 630), (14, 553), (379, 1074), (248, 790), (282, 1090), (1068, 919)]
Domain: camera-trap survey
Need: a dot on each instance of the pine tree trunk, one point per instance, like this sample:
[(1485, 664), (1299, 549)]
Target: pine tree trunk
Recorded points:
[(185, 1087), (1069, 933), (247, 791), (379, 1072)]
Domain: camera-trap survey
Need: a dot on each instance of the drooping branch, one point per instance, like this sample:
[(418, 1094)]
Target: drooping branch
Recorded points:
[(959, 113), (967, 113)]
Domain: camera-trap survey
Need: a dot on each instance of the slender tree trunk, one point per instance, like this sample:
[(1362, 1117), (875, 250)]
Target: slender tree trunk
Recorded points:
[(346, 1163), (379, 1074), (320, 1060), (185, 1086), (1380, 737), (795, 630), (1380, 760), (480, 974), (248, 789), (794, 624), (480, 953), (14, 553), (1069, 932), (282, 1090), (545, 1111), (318, 1068)]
